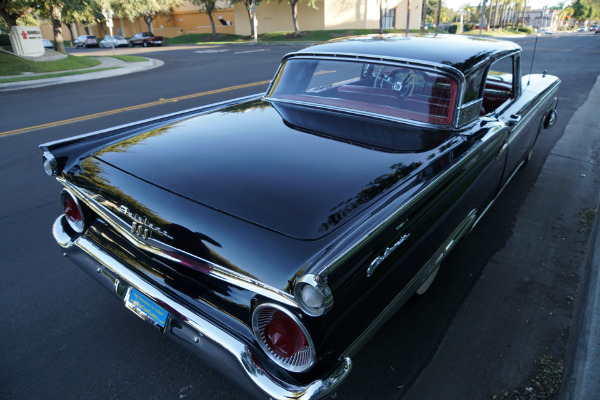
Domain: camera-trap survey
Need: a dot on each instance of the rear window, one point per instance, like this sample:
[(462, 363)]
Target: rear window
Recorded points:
[(391, 90)]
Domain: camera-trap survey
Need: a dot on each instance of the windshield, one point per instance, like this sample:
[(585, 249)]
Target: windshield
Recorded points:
[(391, 90)]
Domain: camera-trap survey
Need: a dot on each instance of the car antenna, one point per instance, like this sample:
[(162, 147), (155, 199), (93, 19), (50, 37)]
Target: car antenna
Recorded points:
[(532, 58)]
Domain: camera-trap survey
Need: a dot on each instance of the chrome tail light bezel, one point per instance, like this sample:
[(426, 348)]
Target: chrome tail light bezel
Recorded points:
[(77, 226), (301, 361)]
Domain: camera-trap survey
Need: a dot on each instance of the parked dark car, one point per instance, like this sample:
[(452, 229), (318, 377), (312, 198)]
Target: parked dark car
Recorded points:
[(86, 41), (274, 234), (145, 39)]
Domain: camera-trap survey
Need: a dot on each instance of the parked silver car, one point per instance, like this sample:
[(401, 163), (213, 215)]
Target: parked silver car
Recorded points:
[(86, 41), (108, 41)]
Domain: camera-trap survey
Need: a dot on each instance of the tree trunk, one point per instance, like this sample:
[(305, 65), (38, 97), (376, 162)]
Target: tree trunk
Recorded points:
[(148, 19), (294, 4), (70, 32), (56, 14), (424, 15), (495, 19), (99, 23), (381, 17), (212, 23), (251, 22), (437, 24), (407, 17), (522, 21)]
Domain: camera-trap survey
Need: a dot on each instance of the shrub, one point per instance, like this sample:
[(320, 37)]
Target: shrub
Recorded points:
[(527, 29), (455, 28), (4, 40), (468, 27)]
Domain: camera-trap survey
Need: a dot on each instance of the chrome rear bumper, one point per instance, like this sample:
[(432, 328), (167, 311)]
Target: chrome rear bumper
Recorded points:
[(211, 343)]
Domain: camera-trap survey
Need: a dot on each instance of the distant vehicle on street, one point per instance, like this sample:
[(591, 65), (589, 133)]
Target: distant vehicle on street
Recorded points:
[(108, 41), (594, 27), (47, 44), (86, 41), (145, 39), (582, 29)]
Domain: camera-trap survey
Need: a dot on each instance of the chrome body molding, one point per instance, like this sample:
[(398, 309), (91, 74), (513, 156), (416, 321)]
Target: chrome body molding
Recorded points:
[(358, 243), (163, 250), (429, 268), (398, 61), (221, 349)]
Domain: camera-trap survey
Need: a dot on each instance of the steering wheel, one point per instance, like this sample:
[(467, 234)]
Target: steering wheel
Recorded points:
[(407, 85), (400, 80)]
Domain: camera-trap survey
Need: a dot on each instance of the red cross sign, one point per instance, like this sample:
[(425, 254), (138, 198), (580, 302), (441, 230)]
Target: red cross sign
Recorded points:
[(24, 34)]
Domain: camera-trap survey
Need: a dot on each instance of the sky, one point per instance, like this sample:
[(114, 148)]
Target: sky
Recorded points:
[(535, 4)]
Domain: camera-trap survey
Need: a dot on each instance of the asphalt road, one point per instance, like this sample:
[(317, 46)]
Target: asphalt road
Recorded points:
[(64, 337)]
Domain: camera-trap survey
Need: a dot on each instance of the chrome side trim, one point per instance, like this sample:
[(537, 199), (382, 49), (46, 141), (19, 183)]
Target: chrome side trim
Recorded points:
[(360, 242), (166, 251), (218, 347), (430, 267)]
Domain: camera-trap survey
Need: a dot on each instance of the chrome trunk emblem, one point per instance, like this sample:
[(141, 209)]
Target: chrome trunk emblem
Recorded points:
[(141, 225)]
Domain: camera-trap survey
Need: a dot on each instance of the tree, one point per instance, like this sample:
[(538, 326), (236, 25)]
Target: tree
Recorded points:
[(522, 22), (12, 10), (208, 6), (247, 4), (146, 9), (294, 5)]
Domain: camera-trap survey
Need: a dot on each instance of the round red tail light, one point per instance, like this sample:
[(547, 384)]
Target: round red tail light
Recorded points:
[(283, 337), (73, 211)]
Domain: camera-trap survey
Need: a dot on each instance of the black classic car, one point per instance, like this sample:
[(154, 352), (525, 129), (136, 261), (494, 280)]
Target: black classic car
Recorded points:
[(274, 234)]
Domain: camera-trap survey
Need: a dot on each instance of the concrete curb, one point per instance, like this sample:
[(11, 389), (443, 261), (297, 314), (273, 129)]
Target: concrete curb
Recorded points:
[(583, 358), (121, 68)]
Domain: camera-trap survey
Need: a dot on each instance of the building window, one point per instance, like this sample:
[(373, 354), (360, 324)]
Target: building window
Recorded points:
[(389, 19)]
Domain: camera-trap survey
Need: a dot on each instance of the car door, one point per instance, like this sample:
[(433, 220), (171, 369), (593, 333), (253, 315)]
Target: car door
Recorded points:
[(503, 100)]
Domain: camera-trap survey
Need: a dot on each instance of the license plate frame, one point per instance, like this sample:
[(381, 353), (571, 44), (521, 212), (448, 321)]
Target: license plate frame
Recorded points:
[(146, 308)]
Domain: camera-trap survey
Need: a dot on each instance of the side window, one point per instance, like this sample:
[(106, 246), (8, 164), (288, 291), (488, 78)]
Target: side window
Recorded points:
[(499, 86)]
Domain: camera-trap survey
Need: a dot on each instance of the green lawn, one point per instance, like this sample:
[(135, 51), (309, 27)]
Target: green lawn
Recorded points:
[(12, 65), (15, 66), (130, 58)]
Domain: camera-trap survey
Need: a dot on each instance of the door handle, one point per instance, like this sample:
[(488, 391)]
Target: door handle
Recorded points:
[(514, 120)]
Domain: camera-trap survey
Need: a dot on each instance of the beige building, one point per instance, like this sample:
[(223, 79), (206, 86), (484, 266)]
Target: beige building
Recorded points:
[(272, 16), (276, 16), (184, 19)]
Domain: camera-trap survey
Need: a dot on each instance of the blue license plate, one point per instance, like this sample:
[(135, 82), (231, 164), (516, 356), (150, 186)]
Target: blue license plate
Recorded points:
[(145, 308)]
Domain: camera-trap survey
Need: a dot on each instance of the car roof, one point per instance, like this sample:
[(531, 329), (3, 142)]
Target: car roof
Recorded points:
[(464, 53)]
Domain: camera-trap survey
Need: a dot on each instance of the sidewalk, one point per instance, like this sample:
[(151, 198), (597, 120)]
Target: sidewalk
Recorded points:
[(119, 68), (518, 326)]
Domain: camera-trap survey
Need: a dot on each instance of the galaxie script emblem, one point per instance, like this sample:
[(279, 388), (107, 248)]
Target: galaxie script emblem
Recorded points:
[(385, 255), (141, 226)]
